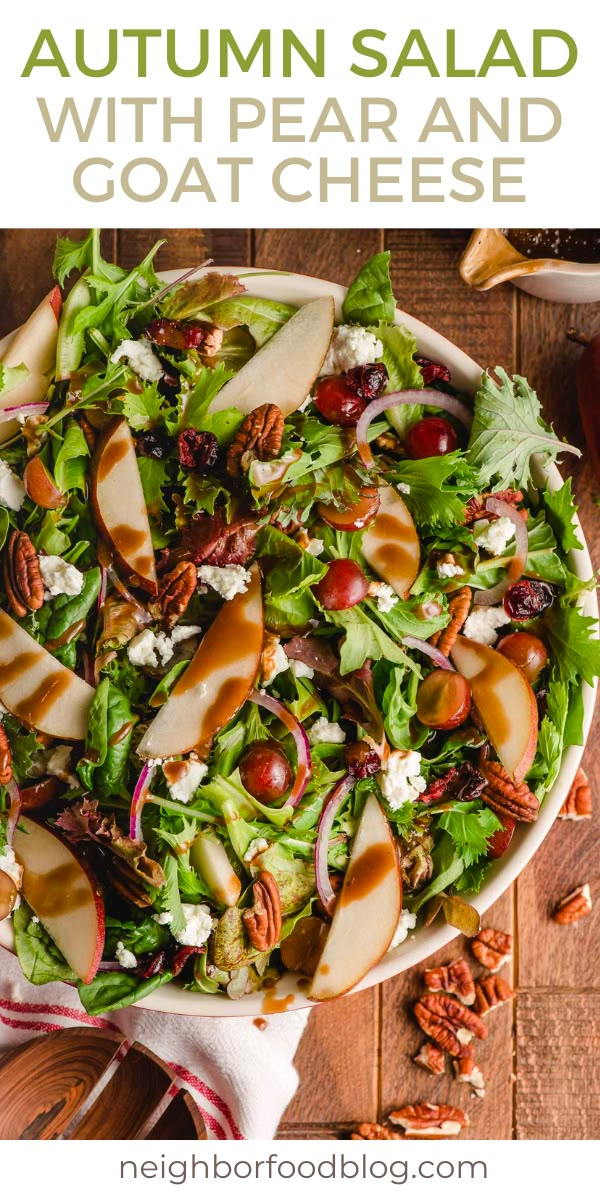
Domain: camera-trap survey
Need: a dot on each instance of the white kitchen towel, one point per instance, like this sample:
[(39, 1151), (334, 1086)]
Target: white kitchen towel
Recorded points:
[(241, 1076)]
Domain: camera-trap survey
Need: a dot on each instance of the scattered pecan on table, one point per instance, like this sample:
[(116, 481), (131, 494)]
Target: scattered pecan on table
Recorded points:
[(578, 803), (504, 796), (369, 1131), (492, 949), (455, 977), (22, 575), (430, 1120), (458, 607), (467, 1071), (431, 1058), (448, 1022), (259, 436), (263, 920), (574, 907), (490, 992)]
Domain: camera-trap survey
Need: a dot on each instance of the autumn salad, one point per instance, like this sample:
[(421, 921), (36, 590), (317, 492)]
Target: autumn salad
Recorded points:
[(289, 640)]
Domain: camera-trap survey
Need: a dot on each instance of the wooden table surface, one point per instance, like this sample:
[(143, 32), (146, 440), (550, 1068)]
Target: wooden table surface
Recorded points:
[(541, 1061)]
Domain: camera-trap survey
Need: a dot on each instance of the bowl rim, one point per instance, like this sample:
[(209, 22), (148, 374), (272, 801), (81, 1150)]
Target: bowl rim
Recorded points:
[(293, 287)]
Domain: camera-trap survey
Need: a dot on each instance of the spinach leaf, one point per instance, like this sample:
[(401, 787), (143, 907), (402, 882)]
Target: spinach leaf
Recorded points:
[(66, 611), (399, 706), (111, 775), (162, 690), (40, 959), (370, 297), (96, 742), (112, 990), (141, 937)]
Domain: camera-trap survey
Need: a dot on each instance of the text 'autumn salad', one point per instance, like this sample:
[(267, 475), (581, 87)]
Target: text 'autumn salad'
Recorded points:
[(289, 640)]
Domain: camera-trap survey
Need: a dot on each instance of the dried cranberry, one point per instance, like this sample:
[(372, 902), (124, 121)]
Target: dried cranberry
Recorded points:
[(361, 760), (181, 956), (151, 964), (152, 445), (185, 335), (438, 787), (469, 783), (527, 599), (432, 371), (197, 451), (368, 381)]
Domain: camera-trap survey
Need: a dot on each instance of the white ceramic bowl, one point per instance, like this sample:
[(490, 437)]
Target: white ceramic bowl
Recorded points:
[(466, 375)]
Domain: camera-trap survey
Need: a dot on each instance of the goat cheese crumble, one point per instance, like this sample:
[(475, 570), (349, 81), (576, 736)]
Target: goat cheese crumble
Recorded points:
[(12, 489), (60, 578), (401, 779), (448, 570), (494, 536), (483, 623), (124, 957), (189, 777), (257, 846), (351, 346), (279, 662), (300, 670), (384, 595), (141, 359), (260, 474), (326, 731), (406, 922), (227, 581), (148, 649), (315, 547), (198, 925), (403, 488)]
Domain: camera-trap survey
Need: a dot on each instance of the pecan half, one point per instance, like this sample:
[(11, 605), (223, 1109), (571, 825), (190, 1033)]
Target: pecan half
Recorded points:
[(448, 1022), (578, 803), (128, 884), (22, 576), (576, 905), (6, 770), (455, 977), (492, 948), (259, 436), (431, 1058), (467, 1071), (176, 591), (490, 992), (504, 796), (211, 541), (430, 1120), (370, 1131), (458, 607), (263, 920), (475, 510)]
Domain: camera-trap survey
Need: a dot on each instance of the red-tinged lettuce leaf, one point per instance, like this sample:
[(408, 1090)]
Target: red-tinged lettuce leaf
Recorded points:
[(82, 822), (193, 299), (354, 691)]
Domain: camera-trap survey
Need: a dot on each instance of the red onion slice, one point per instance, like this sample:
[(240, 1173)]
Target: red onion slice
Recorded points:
[(440, 660), (140, 795), (331, 808), (34, 408), (497, 593), (292, 724), (427, 396), (14, 811)]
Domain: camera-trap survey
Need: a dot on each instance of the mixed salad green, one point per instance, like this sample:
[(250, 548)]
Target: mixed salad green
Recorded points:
[(355, 693)]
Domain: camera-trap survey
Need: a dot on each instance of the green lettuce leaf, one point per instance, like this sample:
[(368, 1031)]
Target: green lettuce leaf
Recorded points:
[(370, 297), (507, 430), (560, 513), (194, 298), (433, 500), (70, 462), (262, 317), (143, 410), (39, 958), (573, 643), (470, 827), (364, 639)]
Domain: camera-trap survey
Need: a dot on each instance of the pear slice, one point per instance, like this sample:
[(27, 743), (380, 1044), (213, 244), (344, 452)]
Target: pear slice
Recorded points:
[(391, 545), (284, 370), (34, 344), (38, 689), (367, 911), (119, 506), (217, 681), (505, 702), (63, 894)]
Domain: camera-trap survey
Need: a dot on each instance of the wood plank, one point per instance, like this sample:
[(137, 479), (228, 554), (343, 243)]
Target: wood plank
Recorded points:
[(427, 285), (185, 247), (558, 1065), (26, 269), (337, 1064), (403, 1082), (335, 254)]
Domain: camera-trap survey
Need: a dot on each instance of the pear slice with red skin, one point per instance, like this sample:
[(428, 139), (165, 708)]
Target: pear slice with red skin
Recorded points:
[(505, 702), (40, 486), (217, 681), (38, 689), (34, 344), (391, 545), (284, 370), (367, 910), (63, 894), (119, 507)]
